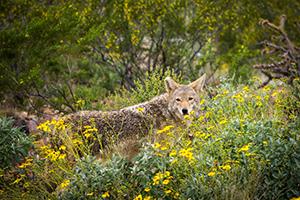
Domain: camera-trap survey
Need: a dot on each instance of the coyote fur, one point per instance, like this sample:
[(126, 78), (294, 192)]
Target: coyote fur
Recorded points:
[(170, 107)]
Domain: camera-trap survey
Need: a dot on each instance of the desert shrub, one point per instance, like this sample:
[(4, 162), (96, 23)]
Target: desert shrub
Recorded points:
[(14, 143)]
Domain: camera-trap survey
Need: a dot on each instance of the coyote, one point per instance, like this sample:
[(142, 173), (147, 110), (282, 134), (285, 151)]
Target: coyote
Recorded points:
[(170, 107)]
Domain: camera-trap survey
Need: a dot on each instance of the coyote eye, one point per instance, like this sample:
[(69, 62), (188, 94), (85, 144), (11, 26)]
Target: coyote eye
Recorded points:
[(191, 98), (177, 99)]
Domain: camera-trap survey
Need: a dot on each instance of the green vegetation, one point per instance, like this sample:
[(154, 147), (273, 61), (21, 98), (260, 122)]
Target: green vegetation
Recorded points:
[(57, 52), (14, 144), (109, 54), (245, 146)]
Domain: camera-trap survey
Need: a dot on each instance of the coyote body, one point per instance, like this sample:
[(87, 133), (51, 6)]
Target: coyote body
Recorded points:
[(139, 119)]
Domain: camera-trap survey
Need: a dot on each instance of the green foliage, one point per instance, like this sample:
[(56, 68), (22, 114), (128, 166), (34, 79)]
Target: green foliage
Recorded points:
[(92, 44), (14, 144), (91, 177)]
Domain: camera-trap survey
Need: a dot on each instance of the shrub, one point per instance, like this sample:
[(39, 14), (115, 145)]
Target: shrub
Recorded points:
[(14, 144)]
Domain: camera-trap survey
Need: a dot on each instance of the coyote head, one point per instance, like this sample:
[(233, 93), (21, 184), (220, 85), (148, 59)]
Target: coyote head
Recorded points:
[(184, 99)]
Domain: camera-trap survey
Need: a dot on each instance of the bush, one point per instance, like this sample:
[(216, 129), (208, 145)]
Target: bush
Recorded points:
[(14, 144)]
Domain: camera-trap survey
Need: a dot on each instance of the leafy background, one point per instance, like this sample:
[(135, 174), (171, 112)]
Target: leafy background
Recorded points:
[(66, 56)]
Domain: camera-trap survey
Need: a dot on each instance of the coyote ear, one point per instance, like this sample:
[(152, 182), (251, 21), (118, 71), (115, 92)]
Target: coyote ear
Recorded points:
[(198, 84), (171, 85)]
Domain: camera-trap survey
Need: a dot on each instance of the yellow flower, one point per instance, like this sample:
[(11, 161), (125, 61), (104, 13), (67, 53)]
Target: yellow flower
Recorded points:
[(187, 117), (62, 156), (186, 153), (62, 147), (27, 163), (90, 194), (168, 191), (147, 197), (211, 174), (44, 127), (225, 92), (139, 197), (173, 153), (295, 198), (166, 182), (167, 173), (26, 185), (274, 94), (87, 135), (157, 177), (202, 101), (266, 88), (18, 180), (140, 109), (246, 89), (224, 121), (226, 167), (87, 127), (77, 142), (105, 195), (147, 189), (165, 129), (157, 145), (244, 148), (238, 97), (259, 104), (65, 183), (163, 148)]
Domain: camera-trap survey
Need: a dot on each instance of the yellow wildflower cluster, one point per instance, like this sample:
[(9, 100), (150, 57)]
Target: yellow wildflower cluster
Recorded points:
[(187, 153), (202, 135), (53, 155), (244, 148), (163, 178), (64, 184), (238, 97), (27, 163), (105, 195), (246, 89), (212, 173), (226, 167), (215, 170), (140, 109), (223, 121), (163, 146), (77, 141), (54, 124), (295, 198), (88, 131), (165, 129), (140, 197)]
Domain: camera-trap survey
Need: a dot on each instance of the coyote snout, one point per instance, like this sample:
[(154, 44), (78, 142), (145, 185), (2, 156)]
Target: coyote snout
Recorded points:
[(184, 99)]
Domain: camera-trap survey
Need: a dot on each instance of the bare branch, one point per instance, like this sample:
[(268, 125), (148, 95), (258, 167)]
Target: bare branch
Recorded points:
[(287, 53)]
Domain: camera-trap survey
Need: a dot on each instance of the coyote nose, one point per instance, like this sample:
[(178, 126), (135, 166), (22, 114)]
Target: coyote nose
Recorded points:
[(185, 111)]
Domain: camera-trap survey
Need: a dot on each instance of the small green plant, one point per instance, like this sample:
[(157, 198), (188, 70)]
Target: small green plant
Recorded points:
[(14, 144)]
